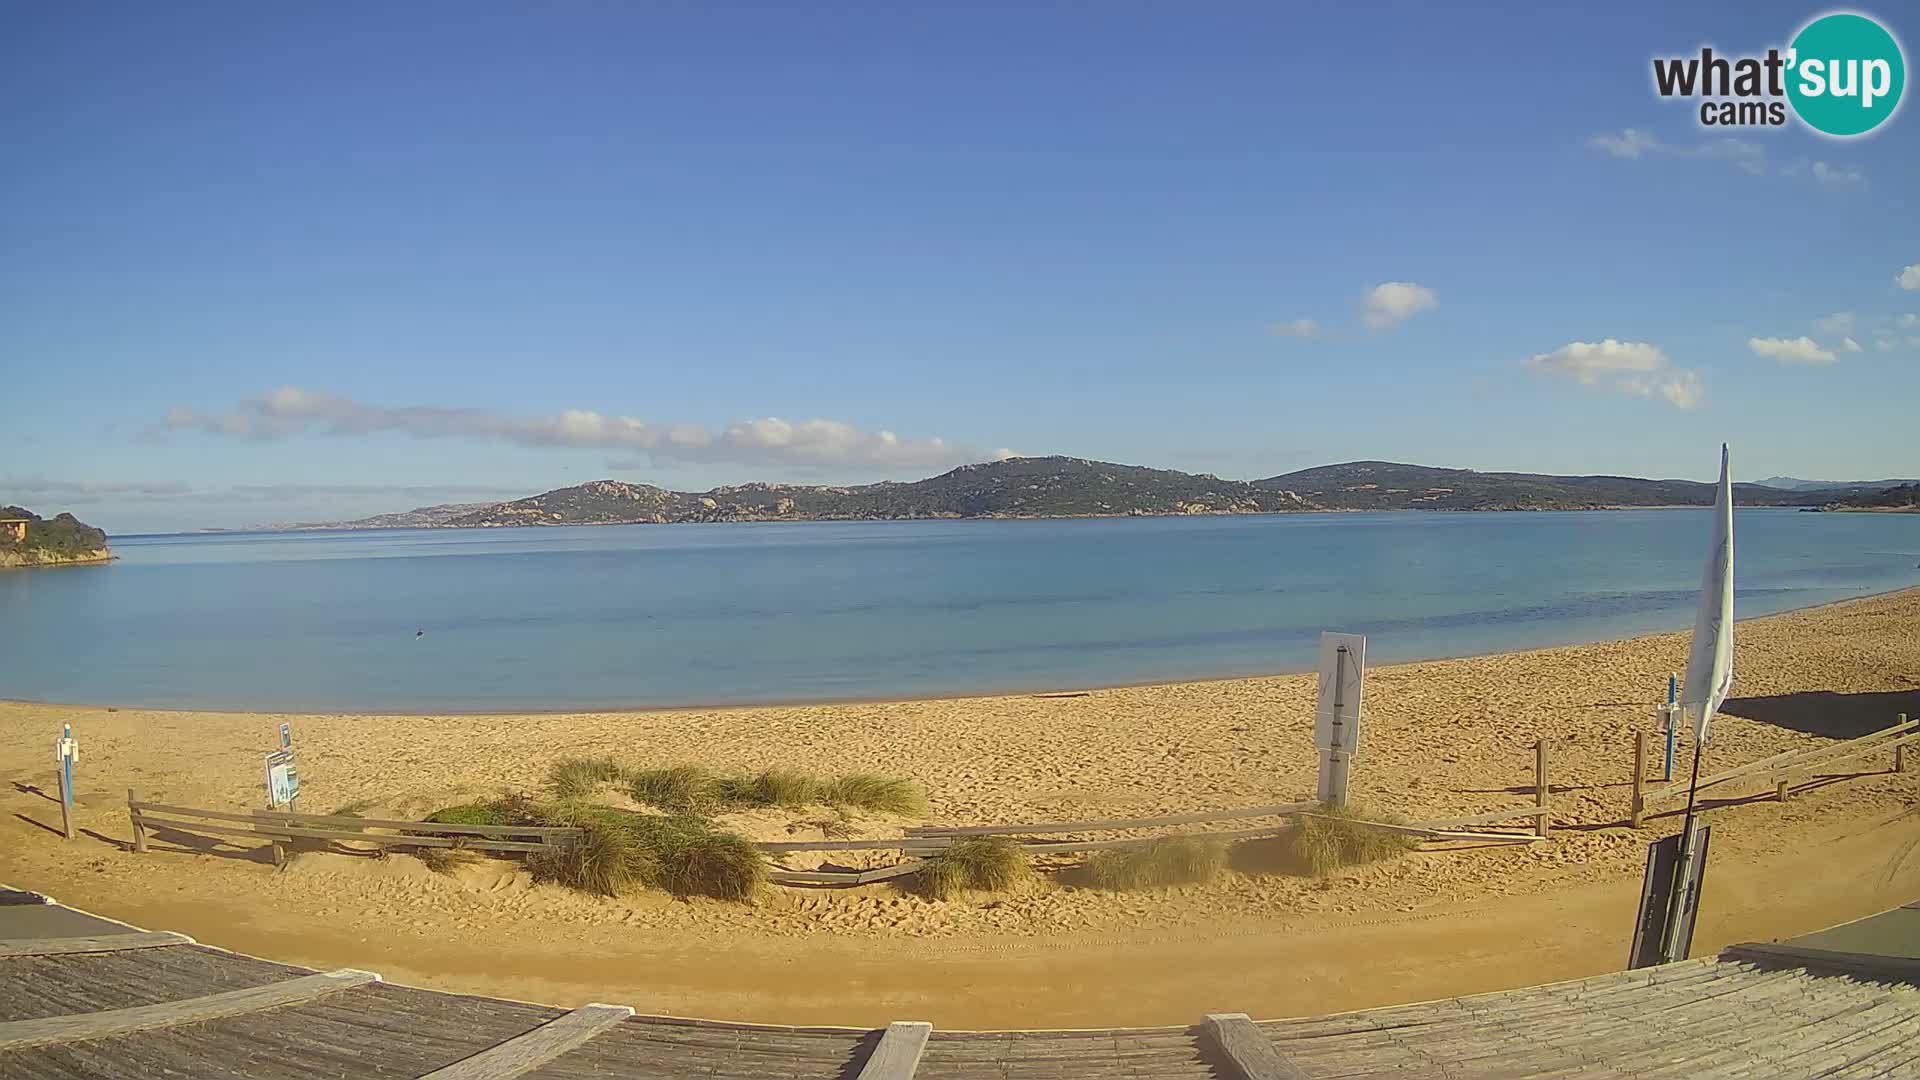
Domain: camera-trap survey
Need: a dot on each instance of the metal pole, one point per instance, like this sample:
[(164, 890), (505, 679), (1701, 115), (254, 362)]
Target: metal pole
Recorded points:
[(1672, 718), (66, 780), (1336, 757), (1679, 906)]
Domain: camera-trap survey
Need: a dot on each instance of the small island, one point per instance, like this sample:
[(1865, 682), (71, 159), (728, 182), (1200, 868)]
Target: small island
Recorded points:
[(27, 539)]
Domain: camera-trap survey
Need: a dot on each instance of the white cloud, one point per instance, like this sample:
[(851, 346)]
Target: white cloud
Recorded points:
[(1296, 328), (1748, 157), (1909, 278), (1396, 301), (1833, 176), (1630, 143), (771, 440), (1624, 367), (1840, 322), (1800, 350), (1908, 321), (116, 492), (1847, 344)]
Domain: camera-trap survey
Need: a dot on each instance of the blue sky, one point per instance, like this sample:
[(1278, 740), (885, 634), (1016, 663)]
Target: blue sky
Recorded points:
[(261, 263)]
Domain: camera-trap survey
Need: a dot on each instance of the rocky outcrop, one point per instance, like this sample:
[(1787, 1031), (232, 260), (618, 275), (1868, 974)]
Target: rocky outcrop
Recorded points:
[(12, 559)]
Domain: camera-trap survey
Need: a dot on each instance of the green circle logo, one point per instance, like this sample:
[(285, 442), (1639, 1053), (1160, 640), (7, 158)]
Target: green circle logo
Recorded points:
[(1845, 74)]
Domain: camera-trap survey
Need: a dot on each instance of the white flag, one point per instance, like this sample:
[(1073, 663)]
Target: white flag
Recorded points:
[(1710, 661)]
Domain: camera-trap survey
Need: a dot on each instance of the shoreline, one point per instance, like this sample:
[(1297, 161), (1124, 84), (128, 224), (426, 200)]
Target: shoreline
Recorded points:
[(748, 705)]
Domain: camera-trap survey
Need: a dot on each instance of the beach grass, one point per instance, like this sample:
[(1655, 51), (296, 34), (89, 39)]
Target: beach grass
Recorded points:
[(984, 863), (1170, 860), (1334, 837), (784, 787), (874, 792), (677, 789), (480, 813), (694, 789), (619, 850), (580, 776)]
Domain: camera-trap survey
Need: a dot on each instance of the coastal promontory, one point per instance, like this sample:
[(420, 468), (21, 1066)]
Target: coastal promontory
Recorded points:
[(27, 539)]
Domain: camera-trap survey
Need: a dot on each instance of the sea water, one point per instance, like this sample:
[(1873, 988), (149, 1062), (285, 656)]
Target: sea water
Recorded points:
[(650, 615)]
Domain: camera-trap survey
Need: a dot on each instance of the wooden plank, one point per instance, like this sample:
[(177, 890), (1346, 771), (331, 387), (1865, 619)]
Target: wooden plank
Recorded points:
[(1864, 744), (139, 831), (51, 1030), (1251, 1053), (1487, 818), (1541, 787), (525, 1053), (898, 1054), (904, 843), (1108, 824), (844, 877), (1906, 968), (268, 831), (358, 822), (1637, 807), (65, 946)]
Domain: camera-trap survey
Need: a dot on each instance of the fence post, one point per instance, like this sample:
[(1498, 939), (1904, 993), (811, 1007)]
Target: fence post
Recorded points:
[(1637, 811), (1900, 752), (1544, 823), (1781, 782), (139, 830)]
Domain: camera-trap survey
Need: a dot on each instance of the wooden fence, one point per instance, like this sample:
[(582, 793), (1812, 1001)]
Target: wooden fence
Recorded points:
[(280, 827), (1781, 771), (921, 842)]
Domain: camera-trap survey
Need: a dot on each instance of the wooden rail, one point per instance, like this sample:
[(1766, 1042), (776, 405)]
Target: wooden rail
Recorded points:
[(1780, 770), (1112, 824), (278, 827)]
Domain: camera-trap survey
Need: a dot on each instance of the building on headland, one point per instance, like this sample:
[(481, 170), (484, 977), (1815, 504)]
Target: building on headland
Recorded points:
[(14, 529)]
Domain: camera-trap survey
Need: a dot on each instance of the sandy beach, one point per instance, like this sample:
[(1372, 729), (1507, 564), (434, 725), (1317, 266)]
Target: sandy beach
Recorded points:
[(1441, 738)]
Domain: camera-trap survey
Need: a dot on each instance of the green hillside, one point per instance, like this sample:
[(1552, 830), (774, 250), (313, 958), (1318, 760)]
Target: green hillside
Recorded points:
[(1387, 485), (1016, 487)]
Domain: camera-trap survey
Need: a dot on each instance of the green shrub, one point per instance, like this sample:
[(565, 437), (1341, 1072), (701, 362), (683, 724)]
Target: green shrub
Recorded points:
[(580, 776), (618, 850), (693, 789), (1170, 860), (880, 794), (603, 859), (487, 813), (678, 789), (708, 862), (784, 787), (1333, 837), (987, 863)]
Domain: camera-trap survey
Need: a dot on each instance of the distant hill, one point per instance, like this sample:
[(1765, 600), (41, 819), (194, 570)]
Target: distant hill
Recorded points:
[(1076, 487), (1016, 487), (1904, 499), (1387, 485), (419, 517), (48, 542), (1794, 483)]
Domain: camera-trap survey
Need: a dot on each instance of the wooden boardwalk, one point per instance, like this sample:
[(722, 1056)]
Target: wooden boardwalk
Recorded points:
[(72, 1005)]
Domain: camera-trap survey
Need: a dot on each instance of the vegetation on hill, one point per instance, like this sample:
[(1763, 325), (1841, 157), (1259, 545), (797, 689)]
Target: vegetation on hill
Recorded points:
[(1387, 485), (62, 538), (1015, 487), (1041, 487), (1906, 497)]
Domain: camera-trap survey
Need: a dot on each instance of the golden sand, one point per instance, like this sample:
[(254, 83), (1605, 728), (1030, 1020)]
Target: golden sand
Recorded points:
[(1441, 738)]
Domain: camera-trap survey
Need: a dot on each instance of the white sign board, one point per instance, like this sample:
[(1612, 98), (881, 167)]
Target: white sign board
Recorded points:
[(1343, 670), (283, 778)]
